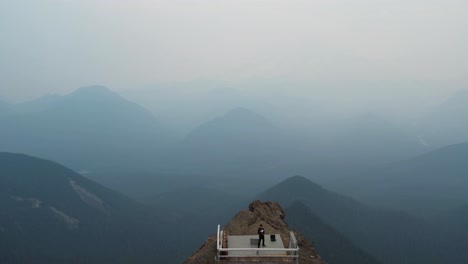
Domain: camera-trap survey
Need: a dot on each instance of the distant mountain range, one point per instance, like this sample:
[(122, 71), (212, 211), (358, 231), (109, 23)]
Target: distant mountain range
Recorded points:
[(95, 130), (89, 129), (244, 142), (372, 139), (446, 124), (429, 184)]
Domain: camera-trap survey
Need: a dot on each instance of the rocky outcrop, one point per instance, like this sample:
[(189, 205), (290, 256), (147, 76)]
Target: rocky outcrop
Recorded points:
[(246, 222)]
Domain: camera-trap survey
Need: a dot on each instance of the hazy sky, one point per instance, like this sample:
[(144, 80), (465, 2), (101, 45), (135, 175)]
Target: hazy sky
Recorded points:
[(347, 48)]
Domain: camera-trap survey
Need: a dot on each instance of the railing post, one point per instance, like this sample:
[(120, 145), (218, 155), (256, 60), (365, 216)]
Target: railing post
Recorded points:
[(218, 241)]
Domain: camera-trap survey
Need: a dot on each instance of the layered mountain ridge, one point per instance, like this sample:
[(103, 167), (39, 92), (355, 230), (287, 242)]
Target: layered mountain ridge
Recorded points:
[(363, 225), (50, 214), (81, 129)]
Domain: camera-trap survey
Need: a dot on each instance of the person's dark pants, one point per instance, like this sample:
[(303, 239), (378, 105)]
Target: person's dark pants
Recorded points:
[(261, 238)]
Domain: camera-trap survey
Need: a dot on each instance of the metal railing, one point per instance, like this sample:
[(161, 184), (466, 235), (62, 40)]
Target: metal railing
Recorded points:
[(292, 252)]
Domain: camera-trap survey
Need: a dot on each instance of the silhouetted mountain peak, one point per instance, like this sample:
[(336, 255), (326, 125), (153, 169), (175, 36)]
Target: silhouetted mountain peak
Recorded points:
[(237, 123), (101, 101), (240, 111), (300, 182), (447, 124), (302, 189), (94, 93), (457, 101), (94, 89), (297, 179), (242, 114), (81, 129)]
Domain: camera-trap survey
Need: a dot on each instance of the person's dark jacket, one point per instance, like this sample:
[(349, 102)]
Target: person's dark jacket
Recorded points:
[(261, 232)]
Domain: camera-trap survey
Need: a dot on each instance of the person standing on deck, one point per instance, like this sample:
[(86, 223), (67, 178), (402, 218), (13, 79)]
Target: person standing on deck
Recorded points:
[(261, 235)]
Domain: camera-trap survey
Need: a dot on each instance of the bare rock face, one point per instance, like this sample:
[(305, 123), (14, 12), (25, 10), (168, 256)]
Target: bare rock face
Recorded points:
[(246, 222)]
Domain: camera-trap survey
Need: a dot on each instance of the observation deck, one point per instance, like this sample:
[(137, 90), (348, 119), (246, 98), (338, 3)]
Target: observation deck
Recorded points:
[(244, 249)]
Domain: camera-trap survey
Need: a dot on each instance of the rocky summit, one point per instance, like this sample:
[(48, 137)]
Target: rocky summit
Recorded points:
[(245, 223)]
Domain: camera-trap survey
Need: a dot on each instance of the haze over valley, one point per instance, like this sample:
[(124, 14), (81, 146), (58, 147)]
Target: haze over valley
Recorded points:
[(130, 129)]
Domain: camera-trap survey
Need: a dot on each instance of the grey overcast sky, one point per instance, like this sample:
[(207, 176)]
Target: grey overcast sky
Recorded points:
[(56, 46)]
